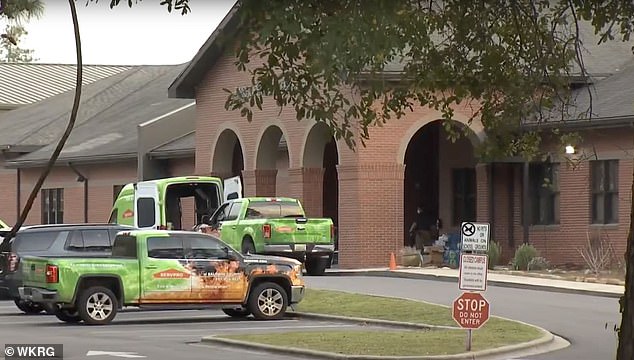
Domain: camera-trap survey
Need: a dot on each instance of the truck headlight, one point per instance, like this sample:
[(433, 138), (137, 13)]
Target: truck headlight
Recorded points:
[(299, 270)]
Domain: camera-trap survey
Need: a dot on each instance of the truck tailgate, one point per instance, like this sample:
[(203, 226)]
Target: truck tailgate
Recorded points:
[(33, 270), (301, 230)]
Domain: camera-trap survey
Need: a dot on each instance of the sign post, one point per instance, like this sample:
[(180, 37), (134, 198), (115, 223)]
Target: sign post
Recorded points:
[(471, 309)]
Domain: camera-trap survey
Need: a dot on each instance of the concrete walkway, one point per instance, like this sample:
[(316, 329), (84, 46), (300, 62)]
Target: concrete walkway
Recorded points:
[(493, 278)]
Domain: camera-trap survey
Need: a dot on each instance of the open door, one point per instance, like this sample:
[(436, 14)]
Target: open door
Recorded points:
[(233, 188), (146, 206)]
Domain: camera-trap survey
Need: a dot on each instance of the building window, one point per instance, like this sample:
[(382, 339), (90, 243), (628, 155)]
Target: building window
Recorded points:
[(116, 189), (464, 195), (605, 191), (544, 193), (52, 206)]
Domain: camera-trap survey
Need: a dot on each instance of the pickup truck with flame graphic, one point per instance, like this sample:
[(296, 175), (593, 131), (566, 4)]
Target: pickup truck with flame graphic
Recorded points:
[(151, 268)]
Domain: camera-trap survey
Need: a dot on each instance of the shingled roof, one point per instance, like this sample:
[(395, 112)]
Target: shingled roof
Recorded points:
[(106, 127), (27, 83)]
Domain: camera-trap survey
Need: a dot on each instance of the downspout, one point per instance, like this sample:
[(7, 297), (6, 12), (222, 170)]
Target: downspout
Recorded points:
[(18, 194), (526, 202), (511, 191), (82, 178), (491, 200)]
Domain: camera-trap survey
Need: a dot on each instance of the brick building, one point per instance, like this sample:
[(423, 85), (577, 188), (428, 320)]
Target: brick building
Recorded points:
[(372, 193), (129, 129)]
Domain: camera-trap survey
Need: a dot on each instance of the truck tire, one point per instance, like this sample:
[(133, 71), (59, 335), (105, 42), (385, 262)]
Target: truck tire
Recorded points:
[(268, 301), (97, 305), (68, 315), (316, 267), (247, 246), (28, 307), (237, 313)]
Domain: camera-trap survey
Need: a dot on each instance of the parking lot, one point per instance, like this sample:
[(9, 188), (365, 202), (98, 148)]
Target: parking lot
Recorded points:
[(165, 334)]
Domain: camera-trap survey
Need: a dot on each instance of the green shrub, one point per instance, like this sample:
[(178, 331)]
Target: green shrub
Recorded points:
[(523, 256), (495, 252)]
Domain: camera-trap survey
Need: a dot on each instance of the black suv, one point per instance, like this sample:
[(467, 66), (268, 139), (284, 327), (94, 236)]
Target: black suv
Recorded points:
[(83, 240)]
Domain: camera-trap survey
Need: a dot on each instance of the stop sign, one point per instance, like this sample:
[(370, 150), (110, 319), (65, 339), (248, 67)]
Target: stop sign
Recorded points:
[(470, 310)]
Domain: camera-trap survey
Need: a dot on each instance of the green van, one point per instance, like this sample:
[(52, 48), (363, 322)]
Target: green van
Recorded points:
[(156, 204)]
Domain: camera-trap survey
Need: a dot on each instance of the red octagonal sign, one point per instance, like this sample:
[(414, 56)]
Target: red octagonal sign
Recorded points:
[(470, 310)]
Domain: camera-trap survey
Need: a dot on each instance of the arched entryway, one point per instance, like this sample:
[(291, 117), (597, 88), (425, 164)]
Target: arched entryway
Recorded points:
[(272, 162), (228, 159), (321, 157), (440, 176)]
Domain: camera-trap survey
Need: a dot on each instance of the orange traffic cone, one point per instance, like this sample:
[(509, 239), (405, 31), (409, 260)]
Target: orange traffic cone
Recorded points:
[(392, 261)]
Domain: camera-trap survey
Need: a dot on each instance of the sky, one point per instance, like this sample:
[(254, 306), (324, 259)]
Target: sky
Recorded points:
[(145, 34)]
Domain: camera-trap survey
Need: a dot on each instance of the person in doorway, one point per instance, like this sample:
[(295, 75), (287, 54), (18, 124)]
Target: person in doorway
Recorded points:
[(423, 228)]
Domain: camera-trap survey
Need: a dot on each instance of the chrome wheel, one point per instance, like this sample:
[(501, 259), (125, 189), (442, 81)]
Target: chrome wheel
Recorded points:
[(270, 302), (99, 306)]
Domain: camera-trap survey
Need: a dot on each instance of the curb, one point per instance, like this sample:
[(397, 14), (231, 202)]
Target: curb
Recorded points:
[(546, 338), (447, 278), (356, 320)]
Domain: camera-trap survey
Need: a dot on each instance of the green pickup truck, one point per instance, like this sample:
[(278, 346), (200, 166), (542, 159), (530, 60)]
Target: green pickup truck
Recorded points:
[(150, 268), (276, 226)]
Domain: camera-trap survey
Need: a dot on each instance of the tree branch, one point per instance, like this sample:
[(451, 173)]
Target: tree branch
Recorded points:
[(62, 141)]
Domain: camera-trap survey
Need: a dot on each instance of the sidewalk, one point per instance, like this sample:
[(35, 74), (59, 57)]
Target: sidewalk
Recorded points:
[(493, 279)]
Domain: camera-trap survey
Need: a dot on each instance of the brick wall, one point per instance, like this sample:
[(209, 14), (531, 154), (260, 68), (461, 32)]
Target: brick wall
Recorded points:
[(560, 243), (101, 181), (371, 178), (8, 199)]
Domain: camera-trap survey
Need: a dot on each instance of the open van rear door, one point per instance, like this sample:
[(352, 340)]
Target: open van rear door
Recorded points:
[(146, 205), (233, 188)]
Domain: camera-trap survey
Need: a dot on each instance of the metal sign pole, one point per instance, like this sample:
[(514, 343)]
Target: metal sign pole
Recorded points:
[(469, 339)]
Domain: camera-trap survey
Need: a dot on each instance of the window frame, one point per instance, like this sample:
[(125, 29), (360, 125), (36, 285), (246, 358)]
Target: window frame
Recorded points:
[(52, 205), (464, 196), (607, 194), (544, 195)]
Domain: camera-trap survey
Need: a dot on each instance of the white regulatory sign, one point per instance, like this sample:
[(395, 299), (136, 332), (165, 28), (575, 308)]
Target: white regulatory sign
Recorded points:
[(475, 236), (473, 272)]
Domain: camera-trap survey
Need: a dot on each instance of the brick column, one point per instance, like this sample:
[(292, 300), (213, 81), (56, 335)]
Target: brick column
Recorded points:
[(370, 214), (259, 182), (307, 185), (482, 193)]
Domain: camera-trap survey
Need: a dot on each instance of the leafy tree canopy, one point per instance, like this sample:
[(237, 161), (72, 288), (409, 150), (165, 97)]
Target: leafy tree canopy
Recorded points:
[(355, 64)]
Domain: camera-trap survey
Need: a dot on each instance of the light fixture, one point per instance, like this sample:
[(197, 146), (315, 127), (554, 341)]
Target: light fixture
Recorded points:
[(570, 149)]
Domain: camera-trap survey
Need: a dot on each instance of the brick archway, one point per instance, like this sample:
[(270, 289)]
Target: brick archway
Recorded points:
[(316, 178), (228, 155), (440, 175), (272, 161)]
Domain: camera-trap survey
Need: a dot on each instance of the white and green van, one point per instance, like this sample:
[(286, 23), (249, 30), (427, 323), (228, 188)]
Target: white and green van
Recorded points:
[(157, 204)]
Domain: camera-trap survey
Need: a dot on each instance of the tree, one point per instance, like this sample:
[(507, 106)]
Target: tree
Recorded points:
[(356, 64), (18, 9), (9, 49)]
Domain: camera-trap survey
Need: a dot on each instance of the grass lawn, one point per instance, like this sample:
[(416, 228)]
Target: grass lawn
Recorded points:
[(386, 342)]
